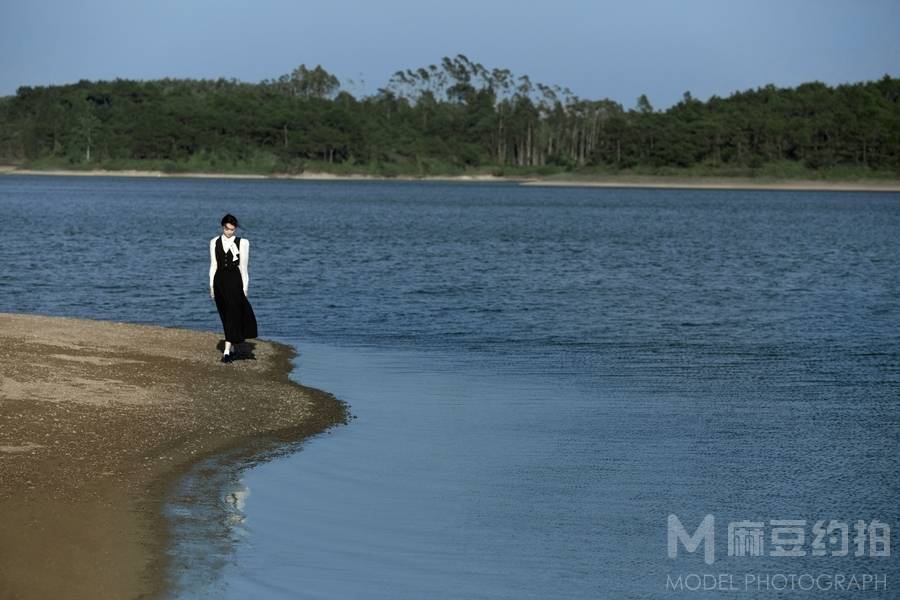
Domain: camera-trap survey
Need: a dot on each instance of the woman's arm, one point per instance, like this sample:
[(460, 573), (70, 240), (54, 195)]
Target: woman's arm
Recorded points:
[(212, 266), (245, 263)]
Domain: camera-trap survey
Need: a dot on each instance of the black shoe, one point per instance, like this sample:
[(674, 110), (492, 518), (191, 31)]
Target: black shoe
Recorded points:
[(226, 358)]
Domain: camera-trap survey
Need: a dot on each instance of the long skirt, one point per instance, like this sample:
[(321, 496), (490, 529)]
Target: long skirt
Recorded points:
[(234, 309)]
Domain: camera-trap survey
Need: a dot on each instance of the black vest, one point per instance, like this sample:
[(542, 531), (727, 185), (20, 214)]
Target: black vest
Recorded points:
[(227, 260)]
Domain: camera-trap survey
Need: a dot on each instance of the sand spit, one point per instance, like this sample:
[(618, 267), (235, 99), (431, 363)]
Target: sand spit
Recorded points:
[(97, 420)]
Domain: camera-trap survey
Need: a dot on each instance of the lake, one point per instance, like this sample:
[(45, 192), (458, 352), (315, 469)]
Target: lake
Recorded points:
[(540, 377)]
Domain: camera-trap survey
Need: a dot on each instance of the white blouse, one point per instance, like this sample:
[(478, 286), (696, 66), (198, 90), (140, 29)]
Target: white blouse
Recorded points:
[(242, 251)]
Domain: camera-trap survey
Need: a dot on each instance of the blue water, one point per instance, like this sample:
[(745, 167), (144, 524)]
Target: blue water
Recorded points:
[(540, 376)]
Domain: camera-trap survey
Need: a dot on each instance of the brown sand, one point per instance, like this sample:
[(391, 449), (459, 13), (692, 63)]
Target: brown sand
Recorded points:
[(711, 183), (307, 176), (613, 181), (97, 421)]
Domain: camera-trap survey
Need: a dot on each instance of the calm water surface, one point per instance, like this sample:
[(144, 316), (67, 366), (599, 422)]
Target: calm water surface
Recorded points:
[(540, 376)]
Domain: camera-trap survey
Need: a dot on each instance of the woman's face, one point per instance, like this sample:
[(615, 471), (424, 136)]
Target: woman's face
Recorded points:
[(228, 229)]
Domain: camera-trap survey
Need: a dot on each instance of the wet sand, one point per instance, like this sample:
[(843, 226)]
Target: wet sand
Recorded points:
[(98, 420), (709, 183)]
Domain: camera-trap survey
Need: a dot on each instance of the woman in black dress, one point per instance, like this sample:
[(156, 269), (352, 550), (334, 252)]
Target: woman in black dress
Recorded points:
[(229, 258)]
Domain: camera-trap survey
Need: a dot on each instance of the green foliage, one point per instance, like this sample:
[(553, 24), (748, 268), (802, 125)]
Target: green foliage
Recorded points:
[(452, 118)]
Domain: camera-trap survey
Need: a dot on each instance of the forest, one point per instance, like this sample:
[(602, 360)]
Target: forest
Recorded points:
[(449, 118)]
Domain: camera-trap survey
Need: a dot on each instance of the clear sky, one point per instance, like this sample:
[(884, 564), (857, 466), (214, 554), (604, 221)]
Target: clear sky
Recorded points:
[(599, 49)]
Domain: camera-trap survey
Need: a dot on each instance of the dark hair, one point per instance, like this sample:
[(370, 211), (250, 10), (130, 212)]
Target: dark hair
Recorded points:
[(229, 219)]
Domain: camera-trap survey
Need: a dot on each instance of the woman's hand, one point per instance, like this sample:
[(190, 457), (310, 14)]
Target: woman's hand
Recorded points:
[(212, 293)]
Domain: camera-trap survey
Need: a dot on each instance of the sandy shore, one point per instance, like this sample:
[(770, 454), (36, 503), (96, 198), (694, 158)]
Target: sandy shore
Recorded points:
[(710, 183), (724, 184), (310, 176), (99, 419)]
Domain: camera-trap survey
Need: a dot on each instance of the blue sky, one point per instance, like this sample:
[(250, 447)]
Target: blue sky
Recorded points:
[(599, 49)]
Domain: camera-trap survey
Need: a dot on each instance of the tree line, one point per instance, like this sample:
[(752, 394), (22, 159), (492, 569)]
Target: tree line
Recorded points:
[(445, 117)]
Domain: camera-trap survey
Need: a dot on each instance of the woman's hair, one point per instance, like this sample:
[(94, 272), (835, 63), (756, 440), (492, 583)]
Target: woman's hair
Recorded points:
[(229, 219)]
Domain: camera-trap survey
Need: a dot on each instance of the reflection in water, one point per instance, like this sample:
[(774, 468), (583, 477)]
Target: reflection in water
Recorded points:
[(206, 513), (235, 499)]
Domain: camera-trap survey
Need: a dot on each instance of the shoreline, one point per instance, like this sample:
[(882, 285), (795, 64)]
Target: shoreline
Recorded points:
[(612, 181), (310, 176), (800, 185), (100, 422)]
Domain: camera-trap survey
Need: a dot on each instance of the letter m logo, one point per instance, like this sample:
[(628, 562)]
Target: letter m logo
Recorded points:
[(705, 533)]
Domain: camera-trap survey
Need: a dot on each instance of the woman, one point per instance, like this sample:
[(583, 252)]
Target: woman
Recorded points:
[(228, 279)]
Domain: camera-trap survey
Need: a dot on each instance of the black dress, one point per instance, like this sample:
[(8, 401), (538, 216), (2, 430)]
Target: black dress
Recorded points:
[(234, 309)]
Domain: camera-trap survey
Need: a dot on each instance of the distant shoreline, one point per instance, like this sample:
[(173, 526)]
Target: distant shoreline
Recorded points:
[(310, 176), (724, 184), (611, 181)]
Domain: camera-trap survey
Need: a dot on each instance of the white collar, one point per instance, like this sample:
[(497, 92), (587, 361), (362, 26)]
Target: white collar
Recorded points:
[(229, 242)]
